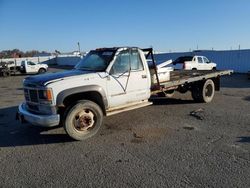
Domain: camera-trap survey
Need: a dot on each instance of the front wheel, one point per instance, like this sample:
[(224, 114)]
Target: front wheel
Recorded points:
[(41, 71), (83, 120)]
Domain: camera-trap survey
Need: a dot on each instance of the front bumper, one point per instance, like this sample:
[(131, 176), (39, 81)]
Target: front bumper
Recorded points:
[(39, 120)]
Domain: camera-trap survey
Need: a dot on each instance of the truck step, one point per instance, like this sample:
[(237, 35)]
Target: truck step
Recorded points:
[(130, 106)]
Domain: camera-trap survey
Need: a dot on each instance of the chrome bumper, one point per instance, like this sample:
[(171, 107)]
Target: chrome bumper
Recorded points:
[(39, 120)]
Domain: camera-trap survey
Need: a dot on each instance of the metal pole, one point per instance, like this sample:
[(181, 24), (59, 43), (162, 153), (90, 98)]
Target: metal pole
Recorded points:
[(79, 47)]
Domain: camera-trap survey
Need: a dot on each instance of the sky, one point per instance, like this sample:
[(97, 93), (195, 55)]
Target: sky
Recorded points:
[(166, 25)]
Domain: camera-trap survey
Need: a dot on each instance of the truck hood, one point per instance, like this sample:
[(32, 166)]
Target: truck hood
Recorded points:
[(44, 79)]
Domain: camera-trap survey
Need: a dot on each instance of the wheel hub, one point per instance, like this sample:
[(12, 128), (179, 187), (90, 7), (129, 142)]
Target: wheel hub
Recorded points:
[(208, 91), (84, 120)]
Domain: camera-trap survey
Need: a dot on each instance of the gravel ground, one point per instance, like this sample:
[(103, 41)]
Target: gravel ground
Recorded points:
[(156, 146)]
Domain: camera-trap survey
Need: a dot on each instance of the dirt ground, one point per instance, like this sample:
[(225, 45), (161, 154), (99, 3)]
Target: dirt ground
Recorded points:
[(161, 145)]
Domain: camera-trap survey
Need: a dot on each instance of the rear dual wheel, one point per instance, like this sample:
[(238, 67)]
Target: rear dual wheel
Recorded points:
[(203, 92)]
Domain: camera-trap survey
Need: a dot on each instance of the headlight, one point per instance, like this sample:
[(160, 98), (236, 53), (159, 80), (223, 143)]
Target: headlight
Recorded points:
[(45, 96)]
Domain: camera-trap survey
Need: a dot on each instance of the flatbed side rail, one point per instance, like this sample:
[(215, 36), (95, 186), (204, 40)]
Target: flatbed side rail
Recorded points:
[(195, 78)]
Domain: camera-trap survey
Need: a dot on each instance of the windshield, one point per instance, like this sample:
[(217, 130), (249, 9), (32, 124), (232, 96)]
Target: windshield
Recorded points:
[(96, 60)]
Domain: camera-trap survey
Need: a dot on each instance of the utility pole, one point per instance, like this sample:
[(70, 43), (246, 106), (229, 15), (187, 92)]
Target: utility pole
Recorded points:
[(79, 48)]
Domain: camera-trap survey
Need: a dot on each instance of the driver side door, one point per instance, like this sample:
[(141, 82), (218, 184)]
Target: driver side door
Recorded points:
[(128, 81), (118, 80)]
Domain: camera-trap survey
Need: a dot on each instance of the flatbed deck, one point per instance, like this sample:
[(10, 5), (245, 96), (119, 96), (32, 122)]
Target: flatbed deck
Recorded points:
[(181, 77)]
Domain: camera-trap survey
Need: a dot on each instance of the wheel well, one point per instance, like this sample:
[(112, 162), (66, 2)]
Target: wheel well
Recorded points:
[(93, 96)]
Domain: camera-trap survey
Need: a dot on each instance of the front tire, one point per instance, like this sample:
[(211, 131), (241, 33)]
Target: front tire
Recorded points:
[(41, 71), (83, 120)]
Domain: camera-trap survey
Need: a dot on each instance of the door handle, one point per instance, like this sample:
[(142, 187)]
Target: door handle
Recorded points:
[(144, 76)]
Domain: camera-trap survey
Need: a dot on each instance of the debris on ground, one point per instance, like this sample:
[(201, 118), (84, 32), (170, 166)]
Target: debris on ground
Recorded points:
[(137, 135), (198, 114)]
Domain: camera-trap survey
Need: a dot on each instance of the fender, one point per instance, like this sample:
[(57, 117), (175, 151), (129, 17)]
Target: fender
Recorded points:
[(65, 93)]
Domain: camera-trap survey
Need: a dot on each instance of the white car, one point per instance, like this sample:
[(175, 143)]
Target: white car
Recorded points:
[(199, 63), (31, 67)]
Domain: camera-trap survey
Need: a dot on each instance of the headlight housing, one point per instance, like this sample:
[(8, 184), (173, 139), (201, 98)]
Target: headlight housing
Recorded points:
[(45, 96)]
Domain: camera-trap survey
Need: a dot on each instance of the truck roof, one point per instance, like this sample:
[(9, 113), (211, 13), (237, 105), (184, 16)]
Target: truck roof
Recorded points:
[(115, 48)]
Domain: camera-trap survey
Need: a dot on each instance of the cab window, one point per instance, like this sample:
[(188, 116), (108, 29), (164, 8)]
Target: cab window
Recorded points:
[(136, 63), (205, 60), (121, 64), (30, 63), (200, 60)]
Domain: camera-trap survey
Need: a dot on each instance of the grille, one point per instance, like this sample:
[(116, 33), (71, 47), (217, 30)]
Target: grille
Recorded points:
[(26, 94), (33, 95)]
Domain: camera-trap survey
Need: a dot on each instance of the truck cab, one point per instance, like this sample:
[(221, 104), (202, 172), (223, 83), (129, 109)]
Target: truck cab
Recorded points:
[(199, 63), (105, 80)]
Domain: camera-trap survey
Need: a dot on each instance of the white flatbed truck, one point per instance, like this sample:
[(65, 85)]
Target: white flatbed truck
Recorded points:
[(107, 81)]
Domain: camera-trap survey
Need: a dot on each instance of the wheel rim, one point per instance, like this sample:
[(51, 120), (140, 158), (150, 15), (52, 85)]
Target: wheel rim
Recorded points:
[(209, 91), (84, 120)]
